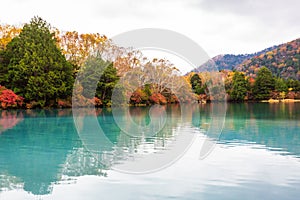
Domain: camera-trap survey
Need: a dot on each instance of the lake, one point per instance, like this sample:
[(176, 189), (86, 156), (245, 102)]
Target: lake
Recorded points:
[(252, 151)]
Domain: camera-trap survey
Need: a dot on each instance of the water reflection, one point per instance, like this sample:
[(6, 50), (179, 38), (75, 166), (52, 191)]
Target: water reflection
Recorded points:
[(35, 148), (44, 148), (275, 126), (113, 144), (9, 119), (40, 148)]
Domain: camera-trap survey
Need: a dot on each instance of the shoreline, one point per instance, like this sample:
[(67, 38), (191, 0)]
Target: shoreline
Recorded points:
[(145, 105), (281, 101)]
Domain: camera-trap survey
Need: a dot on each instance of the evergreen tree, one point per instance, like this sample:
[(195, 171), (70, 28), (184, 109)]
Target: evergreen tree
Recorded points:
[(197, 84), (107, 83), (293, 84), (264, 84), (3, 69), (34, 67), (239, 87), (280, 85), (96, 70)]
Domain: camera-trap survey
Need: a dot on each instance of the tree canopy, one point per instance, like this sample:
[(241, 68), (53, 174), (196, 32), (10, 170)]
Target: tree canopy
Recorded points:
[(34, 67), (264, 84), (239, 87), (196, 83), (38, 65), (98, 78)]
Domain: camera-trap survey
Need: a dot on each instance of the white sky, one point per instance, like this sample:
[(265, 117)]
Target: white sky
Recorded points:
[(218, 26)]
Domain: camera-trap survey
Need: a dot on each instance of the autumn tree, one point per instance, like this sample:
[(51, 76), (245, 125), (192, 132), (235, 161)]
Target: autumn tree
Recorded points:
[(78, 47), (35, 68), (161, 74), (8, 99), (7, 33), (156, 78), (264, 84), (127, 60)]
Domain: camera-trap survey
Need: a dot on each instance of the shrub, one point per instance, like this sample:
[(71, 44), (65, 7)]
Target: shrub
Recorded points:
[(139, 96), (9, 99), (158, 98)]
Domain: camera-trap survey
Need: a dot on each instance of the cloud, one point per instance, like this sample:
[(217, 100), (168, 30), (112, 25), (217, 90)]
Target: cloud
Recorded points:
[(133, 8), (246, 26), (270, 12), (224, 26)]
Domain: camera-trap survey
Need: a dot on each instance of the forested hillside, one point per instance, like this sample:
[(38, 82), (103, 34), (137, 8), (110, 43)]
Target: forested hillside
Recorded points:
[(229, 61), (283, 61), (39, 65)]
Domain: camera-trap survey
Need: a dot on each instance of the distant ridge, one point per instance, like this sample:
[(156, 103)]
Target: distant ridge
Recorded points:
[(229, 61), (283, 60)]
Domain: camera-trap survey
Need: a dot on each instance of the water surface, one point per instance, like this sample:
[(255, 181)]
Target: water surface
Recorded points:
[(256, 156)]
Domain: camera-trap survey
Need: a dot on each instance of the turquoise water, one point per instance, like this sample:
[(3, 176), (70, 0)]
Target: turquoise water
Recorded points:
[(257, 155)]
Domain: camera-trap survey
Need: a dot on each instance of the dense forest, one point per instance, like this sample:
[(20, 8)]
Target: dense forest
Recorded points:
[(283, 61), (230, 61), (41, 66)]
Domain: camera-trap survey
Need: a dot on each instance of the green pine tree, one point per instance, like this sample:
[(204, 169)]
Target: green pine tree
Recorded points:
[(101, 72), (280, 85), (196, 83), (35, 68), (293, 84), (239, 87), (264, 84)]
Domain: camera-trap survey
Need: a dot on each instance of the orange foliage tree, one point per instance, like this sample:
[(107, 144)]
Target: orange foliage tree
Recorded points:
[(77, 47)]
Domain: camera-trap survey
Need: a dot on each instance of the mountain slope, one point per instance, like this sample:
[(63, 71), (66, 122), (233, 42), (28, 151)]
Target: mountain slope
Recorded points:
[(283, 61), (229, 61)]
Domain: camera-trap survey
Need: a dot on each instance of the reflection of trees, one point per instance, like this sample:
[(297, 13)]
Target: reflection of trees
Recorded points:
[(273, 125), (81, 162), (124, 146), (44, 147), (113, 145), (201, 115), (36, 147), (9, 119), (209, 118)]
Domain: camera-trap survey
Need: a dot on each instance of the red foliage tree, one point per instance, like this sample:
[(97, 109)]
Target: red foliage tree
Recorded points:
[(8, 99), (158, 98), (139, 96)]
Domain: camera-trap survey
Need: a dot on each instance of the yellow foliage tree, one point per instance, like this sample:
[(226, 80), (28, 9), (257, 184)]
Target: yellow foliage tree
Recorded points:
[(77, 47), (7, 33)]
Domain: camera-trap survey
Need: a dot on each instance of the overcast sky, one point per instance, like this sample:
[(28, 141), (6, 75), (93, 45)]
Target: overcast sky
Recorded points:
[(219, 26)]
